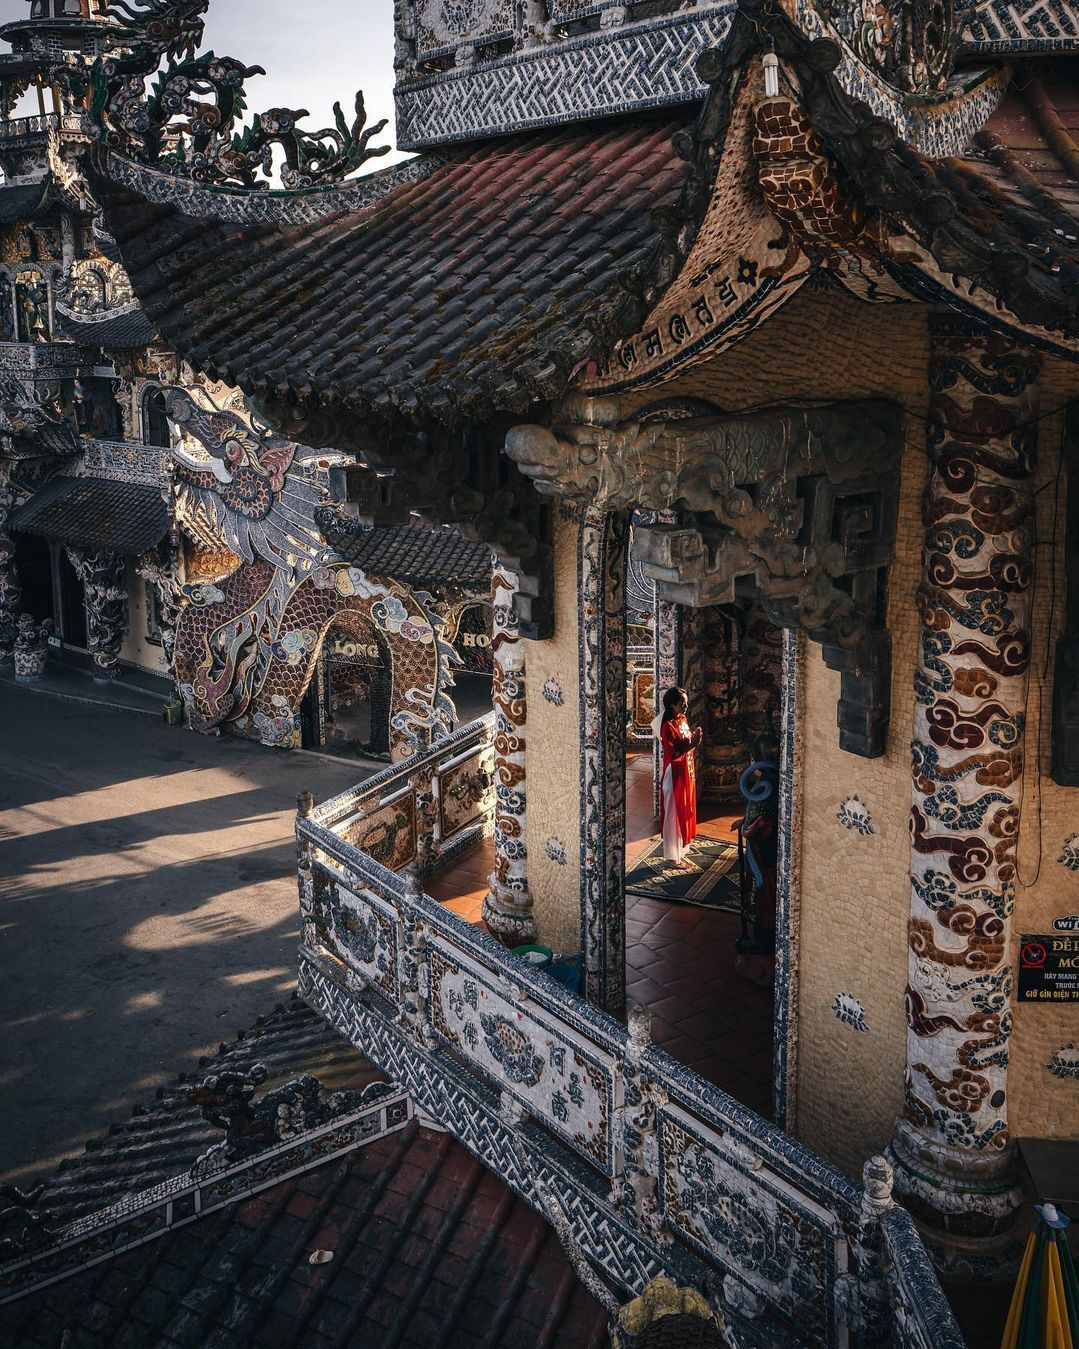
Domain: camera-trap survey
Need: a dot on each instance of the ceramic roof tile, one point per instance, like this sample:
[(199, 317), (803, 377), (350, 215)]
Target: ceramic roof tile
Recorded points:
[(413, 554), (123, 517), (458, 285)]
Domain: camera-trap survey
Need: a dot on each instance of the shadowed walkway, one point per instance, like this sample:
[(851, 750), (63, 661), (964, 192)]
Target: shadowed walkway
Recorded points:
[(147, 909)]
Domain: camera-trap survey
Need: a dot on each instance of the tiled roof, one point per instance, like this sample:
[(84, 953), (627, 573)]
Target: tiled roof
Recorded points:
[(123, 330), (163, 1139), (412, 554), (123, 517), (482, 286), (427, 1247), (23, 201)]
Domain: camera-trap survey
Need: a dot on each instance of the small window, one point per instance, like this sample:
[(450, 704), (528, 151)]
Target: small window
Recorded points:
[(39, 9), (69, 8), (155, 424)]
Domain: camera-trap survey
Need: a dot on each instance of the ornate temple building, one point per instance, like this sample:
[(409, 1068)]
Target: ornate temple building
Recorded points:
[(788, 292), (122, 546)]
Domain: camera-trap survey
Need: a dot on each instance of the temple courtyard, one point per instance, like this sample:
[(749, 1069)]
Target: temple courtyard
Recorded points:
[(148, 890)]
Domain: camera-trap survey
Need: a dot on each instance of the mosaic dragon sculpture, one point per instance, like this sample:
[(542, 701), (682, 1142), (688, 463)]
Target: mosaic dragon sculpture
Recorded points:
[(247, 643)]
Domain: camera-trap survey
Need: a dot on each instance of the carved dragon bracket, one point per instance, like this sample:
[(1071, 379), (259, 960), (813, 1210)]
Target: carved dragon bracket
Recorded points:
[(795, 507)]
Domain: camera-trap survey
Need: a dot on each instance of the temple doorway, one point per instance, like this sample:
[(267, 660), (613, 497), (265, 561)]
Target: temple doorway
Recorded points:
[(346, 709), (72, 595), (33, 565), (700, 943)]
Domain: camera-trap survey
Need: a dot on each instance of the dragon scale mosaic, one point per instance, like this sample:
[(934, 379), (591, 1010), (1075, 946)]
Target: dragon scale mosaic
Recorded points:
[(970, 688)]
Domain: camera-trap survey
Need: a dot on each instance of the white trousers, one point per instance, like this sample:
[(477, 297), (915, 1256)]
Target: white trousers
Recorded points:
[(673, 847)]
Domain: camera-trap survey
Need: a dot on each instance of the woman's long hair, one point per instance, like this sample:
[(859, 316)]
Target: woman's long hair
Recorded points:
[(671, 699)]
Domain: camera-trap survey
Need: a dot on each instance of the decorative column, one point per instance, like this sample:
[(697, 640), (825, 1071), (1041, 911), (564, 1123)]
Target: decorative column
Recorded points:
[(102, 577), (668, 646), (10, 590), (725, 751), (953, 1160), (601, 595), (165, 579), (507, 906)]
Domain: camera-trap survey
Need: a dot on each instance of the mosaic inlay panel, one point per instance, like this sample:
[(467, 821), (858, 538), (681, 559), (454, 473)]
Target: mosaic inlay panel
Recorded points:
[(566, 1083), (780, 1243), (364, 936), (466, 793), (387, 835)]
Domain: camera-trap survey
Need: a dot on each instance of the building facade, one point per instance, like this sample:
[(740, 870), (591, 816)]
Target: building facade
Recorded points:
[(790, 289)]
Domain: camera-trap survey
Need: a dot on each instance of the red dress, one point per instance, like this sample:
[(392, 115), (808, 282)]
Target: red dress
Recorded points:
[(678, 794)]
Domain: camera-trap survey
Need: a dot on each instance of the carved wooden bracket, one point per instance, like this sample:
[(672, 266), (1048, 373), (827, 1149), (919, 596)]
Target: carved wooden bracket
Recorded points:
[(795, 507)]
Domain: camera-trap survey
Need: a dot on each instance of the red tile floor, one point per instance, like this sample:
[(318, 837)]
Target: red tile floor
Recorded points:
[(680, 960)]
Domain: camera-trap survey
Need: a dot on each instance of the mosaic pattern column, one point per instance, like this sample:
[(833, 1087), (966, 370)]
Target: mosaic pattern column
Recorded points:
[(507, 906), (102, 577), (668, 646), (601, 595), (954, 1166), (725, 750), (10, 590)]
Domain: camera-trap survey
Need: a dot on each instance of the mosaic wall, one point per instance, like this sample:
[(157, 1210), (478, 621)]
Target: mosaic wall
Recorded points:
[(969, 722)]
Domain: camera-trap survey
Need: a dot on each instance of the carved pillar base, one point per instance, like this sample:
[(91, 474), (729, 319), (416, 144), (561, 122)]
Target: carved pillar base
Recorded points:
[(508, 914)]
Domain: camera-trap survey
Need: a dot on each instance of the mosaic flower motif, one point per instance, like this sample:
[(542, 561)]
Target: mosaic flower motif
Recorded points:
[(275, 730), (291, 647), (850, 1011), (389, 614), (351, 581), (1064, 1062), (412, 631), (512, 1049), (556, 851), (552, 692), (1070, 856), (747, 272), (203, 594), (854, 814)]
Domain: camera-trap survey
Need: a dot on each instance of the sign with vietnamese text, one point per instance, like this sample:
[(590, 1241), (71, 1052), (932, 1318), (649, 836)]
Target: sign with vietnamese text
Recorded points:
[(1049, 968)]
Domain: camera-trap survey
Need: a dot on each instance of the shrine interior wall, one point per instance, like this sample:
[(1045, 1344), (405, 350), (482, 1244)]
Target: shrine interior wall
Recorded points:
[(551, 757)]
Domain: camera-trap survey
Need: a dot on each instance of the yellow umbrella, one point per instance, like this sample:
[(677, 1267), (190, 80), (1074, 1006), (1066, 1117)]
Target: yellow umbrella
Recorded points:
[(1044, 1313)]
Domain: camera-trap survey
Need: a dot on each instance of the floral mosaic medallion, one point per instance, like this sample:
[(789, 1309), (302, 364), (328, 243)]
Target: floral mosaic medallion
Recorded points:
[(515, 1046), (552, 692), (1064, 1062), (1069, 858), (556, 851), (850, 1011), (365, 938), (854, 814)]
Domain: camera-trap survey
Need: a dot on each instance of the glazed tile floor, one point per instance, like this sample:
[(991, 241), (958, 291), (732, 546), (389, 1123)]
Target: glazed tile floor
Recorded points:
[(680, 961)]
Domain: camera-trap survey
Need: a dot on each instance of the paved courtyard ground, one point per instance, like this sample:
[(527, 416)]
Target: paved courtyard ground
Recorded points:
[(147, 909)]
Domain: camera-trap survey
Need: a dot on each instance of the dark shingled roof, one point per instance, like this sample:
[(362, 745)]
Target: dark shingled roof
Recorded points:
[(429, 1248), (123, 517), (482, 286), (125, 330), (23, 201), (413, 554)]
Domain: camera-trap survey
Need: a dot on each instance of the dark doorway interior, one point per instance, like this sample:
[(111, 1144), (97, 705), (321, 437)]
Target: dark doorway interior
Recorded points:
[(33, 563), (72, 602)]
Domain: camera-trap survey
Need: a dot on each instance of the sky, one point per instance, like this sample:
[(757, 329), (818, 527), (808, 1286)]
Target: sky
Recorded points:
[(314, 53)]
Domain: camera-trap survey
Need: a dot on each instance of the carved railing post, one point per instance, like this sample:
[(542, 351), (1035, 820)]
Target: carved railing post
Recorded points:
[(601, 577), (102, 577), (954, 1164), (862, 1301), (413, 972), (10, 590), (305, 873), (637, 1188), (507, 906)]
